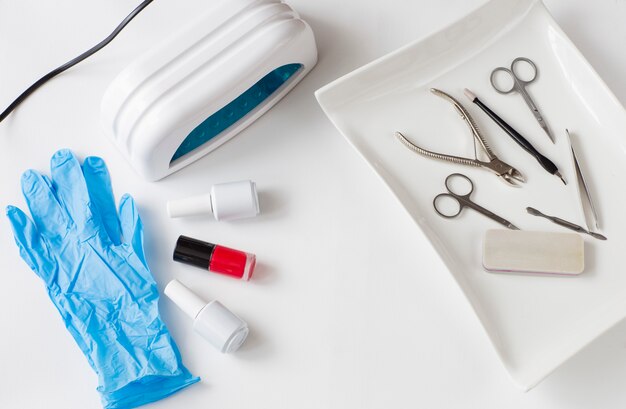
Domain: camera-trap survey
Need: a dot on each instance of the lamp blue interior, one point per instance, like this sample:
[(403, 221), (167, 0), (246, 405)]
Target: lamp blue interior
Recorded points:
[(236, 109)]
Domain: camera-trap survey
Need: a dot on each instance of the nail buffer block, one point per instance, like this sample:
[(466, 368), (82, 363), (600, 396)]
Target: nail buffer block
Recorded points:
[(533, 252)]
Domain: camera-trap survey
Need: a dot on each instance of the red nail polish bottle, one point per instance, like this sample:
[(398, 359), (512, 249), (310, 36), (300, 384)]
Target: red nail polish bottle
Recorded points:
[(214, 257)]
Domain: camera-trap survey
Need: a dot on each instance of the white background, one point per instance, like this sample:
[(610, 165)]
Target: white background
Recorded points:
[(350, 307)]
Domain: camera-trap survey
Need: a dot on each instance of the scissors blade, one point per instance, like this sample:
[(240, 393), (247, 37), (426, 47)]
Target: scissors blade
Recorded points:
[(537, 114), (521, 89), (547, 130), (488, 213), (500, 220)]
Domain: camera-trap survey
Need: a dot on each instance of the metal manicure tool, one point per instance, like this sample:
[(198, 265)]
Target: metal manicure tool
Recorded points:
[(506, 172), (565, 223), (463, 200), (545, 163), (583, 188), (519, 86)]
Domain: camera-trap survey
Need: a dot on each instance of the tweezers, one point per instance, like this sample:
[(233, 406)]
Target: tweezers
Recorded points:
[(585, 188)]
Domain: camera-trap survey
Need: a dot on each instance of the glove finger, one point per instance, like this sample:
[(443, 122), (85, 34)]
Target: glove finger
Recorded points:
[(132, 228), (49, 216), (101, 193), (71, 190), (32, 247)]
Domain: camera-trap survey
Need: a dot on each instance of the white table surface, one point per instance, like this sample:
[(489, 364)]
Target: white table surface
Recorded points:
[(350, 307)]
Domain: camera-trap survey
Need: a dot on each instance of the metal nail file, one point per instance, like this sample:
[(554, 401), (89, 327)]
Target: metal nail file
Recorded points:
[(565, 223)]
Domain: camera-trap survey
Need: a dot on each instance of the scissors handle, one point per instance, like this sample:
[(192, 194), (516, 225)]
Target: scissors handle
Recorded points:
[(448, 215), (466, 192), (494, 84), (517, 83), (519, 77)]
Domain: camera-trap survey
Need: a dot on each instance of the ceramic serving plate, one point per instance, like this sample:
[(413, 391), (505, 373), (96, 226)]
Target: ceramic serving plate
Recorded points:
[(534, 322)]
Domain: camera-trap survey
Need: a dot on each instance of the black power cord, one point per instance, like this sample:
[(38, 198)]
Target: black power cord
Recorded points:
[(73, 62)]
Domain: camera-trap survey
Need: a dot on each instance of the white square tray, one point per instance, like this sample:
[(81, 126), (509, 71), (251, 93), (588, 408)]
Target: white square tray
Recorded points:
[(534, 322)]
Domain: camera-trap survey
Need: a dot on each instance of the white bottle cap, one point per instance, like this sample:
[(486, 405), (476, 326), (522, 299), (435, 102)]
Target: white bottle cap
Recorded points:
[(214, 322), (189, 206), (184, 298), (234, 200)]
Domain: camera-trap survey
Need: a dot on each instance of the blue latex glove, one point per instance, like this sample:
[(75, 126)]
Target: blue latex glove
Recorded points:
[(93, 265)]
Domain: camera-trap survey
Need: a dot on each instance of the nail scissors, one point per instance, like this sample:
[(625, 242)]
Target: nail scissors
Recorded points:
[(506, 172), (519, 86), (463, 200)]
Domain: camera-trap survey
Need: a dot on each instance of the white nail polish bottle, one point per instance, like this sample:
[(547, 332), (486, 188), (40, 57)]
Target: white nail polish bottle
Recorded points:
[(214, 322), (227, 201)]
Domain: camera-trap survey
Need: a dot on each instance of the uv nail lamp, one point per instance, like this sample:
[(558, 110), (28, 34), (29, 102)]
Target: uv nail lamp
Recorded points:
[(194, 92)]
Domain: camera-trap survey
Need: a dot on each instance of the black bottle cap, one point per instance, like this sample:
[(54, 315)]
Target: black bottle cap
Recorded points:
[(195, 252)]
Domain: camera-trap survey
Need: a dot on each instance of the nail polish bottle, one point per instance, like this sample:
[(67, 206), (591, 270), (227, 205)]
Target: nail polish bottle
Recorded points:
[(226, 201), (215, 258), (214, 322)]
